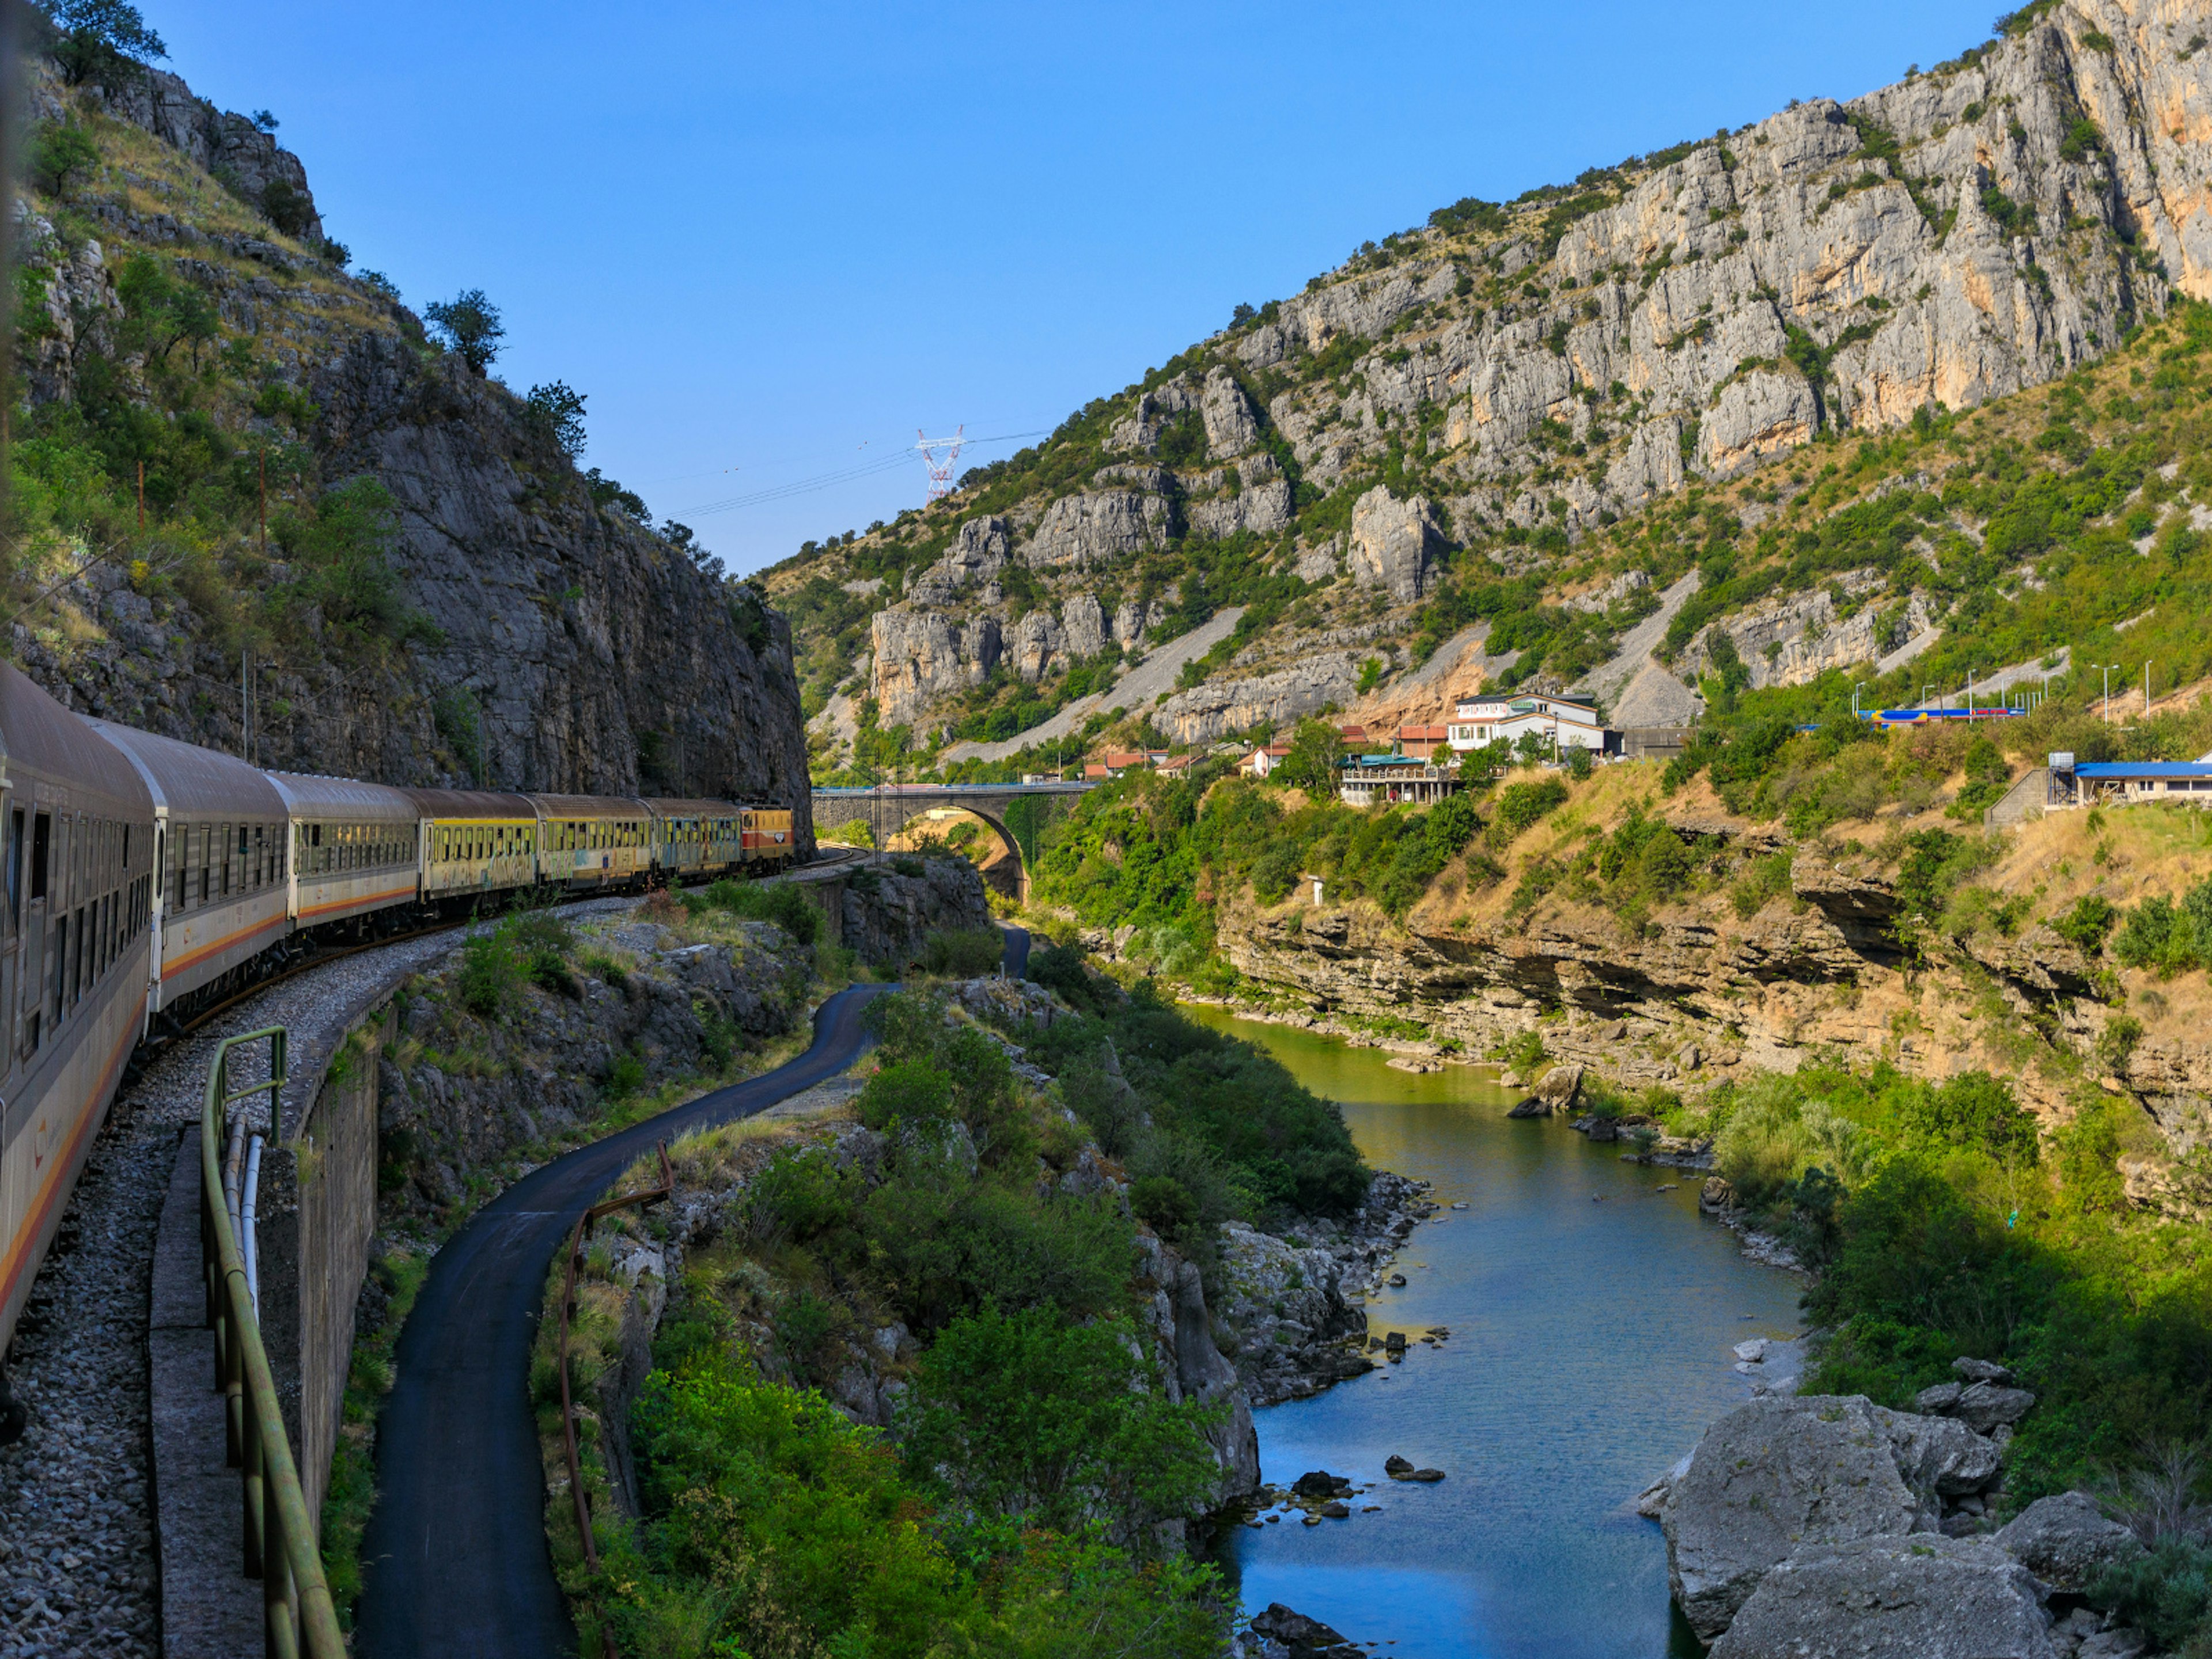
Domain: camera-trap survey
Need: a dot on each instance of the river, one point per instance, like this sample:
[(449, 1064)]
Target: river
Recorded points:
[(1591, 1319)]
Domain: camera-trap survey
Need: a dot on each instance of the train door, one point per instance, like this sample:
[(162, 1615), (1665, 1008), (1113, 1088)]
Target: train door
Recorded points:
[(158, 910), (31, 985)]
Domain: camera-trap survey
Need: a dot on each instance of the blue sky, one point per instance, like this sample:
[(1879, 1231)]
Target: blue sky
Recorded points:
[(769, 244)]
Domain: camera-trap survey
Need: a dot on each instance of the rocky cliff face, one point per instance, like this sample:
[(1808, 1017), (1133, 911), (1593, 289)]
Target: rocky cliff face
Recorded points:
[(538, 638), (1508, 372), (1697, 993)]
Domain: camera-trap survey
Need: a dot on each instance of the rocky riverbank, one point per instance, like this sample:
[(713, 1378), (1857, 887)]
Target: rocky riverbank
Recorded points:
[(1293, 1304), (1828, 1524)]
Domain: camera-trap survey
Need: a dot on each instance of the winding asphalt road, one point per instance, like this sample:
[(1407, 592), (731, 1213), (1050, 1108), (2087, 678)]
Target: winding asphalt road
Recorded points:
[(455, 1560)]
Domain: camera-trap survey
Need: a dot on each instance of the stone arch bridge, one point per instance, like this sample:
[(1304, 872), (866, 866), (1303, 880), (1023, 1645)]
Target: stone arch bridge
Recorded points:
[(889, 807)]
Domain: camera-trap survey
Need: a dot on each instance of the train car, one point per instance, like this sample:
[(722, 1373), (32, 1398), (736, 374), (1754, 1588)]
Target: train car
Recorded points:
[(353, 851), (593, 842), (695, 839), (475, 842), (220, 843), (76, 940), (766, 838)]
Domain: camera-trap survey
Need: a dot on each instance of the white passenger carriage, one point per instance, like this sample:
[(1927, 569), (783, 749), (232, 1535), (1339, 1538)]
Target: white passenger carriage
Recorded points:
[(74, 933), (220, 836), (354, 848)]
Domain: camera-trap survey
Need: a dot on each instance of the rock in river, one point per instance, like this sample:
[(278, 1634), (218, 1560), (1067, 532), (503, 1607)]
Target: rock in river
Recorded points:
[(1920, 1598), (1319, 1483), (1305, 1638)]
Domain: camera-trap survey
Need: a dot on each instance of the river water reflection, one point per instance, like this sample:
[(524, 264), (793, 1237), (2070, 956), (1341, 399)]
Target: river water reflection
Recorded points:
[(1591, 1318)]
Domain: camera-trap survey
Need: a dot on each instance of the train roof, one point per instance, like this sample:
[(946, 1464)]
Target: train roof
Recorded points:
[(45, 736), (590, 806), (671, 806), (191, 781), (311, 796), (471, 804)]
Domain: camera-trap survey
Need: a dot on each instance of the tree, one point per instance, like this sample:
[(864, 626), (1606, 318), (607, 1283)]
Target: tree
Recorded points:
[(468, 323), (264, 120), (1032, 1417), (62, 153), (556, 409), (161, 313), (103, 41), (1311, 763)]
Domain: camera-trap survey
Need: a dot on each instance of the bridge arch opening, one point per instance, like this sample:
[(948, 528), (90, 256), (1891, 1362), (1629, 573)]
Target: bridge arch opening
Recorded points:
[(1008, 872)]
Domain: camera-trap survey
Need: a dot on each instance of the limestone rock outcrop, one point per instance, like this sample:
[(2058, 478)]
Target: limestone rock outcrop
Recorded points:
[(1770, 1476), (1205, 712), (1921, 1597), (1392, 543), (1098, 528)]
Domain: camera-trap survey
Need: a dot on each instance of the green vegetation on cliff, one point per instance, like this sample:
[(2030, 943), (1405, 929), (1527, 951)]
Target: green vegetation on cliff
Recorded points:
[(1037, 1449)]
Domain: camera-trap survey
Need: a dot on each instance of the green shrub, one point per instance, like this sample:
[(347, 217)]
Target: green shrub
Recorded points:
[(1028, 1416), (783, 903), (1762, 880), (490, 976), (909, 1093), (962, 953), (626, 1077), (1520, 805), (2167, 937), (2088, 923)]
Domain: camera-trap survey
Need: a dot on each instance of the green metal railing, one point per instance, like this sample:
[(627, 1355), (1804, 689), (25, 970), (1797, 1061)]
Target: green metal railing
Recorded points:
[(281, 1550)]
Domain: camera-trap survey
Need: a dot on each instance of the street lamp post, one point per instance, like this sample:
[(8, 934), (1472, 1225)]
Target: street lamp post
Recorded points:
[(1857, 713), (2106, 668)]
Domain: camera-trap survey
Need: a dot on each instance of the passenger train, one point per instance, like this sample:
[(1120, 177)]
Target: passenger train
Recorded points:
[(147, 879)]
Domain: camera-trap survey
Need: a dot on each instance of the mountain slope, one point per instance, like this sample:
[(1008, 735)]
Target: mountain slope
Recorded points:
[(1461, 427), (438, 596)]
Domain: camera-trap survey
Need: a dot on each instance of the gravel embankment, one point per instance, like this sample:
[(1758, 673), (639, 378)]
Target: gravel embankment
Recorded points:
[(76, 1555)]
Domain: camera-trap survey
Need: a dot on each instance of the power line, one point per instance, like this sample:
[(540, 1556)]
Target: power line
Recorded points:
[(884, 463)]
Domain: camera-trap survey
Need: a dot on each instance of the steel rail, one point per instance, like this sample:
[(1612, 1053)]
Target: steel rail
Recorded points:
[(281, 1548)]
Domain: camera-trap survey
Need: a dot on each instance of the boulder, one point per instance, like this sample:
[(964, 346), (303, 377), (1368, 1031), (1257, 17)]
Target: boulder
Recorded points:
[(1985, 1405), (1939, 1398), (1938, 1457), (1396, 1467), (1920, 1598), (1320, 1483), (1559, 1086), (1534, 1106), (1716, 1195), (1306, 1638), (1770, 1476), (2067, 1542), (1982, 1370)]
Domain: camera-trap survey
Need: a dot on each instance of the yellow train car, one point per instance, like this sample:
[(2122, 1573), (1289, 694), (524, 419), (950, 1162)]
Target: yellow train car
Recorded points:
[(587, 842), (475, 842), (695, 839), (765, 837)]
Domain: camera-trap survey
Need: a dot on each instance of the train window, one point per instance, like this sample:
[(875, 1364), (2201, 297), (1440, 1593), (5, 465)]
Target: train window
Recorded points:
[(16, 868), (76, 958), (61, 969)]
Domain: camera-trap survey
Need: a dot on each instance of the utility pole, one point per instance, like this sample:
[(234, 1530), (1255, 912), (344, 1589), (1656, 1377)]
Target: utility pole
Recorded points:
[(2106, 668), (2146, 687)]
